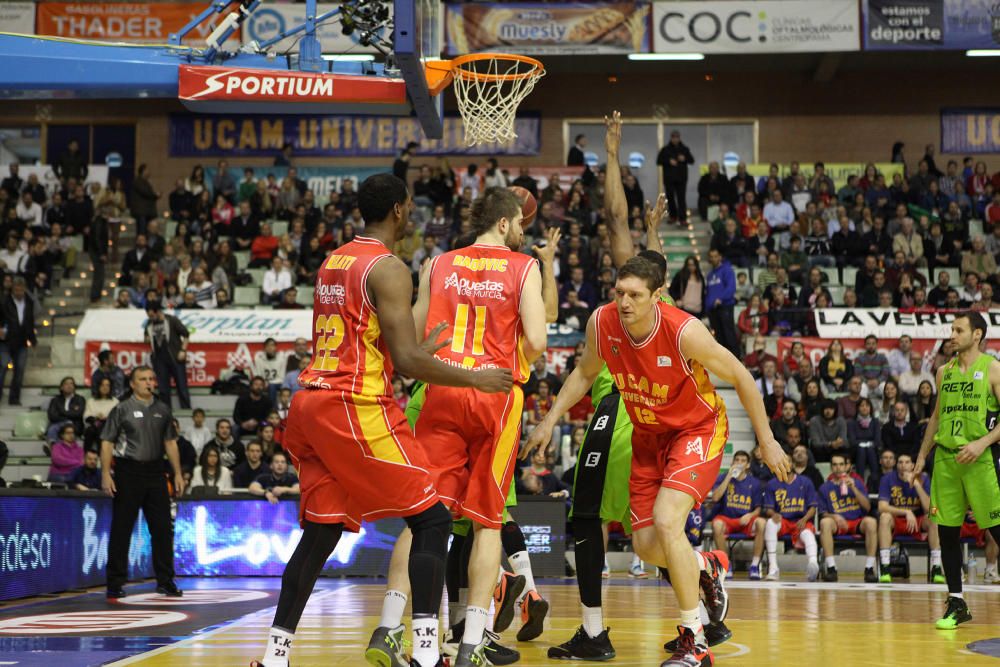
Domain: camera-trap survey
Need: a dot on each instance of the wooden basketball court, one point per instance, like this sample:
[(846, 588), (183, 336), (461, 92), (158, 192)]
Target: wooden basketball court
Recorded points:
[(788, 623)]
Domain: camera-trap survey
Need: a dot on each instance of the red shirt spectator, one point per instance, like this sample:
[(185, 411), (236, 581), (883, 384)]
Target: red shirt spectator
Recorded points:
[(263, 248)]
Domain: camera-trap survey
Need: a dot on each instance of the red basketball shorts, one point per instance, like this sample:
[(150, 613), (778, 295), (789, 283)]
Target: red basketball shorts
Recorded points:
[(357, 459), (789, 527), (900, 528), (853, 527), (471, 440), (731, 525), (687, 461)]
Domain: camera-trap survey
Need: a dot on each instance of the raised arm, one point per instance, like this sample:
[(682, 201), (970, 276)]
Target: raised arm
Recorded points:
[(615, 205), (654, 216), (576, 386), (546, 258), (391, 285), (698, 344)]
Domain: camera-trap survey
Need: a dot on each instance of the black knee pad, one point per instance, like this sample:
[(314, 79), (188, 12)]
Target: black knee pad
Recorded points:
[(512, 538), (430, 528)]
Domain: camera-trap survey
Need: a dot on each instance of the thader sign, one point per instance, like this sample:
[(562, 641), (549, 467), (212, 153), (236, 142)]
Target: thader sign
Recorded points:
[(891, 323)]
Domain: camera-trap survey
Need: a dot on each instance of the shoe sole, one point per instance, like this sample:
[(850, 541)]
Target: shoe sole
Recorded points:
[(378, 657), (603, 658), (505, 612), (498, 660), (963, 619), (536, 621)]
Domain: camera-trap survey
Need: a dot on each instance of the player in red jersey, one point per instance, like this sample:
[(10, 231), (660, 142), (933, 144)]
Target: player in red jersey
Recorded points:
[(660, 357), (489, 296), (356, 456)]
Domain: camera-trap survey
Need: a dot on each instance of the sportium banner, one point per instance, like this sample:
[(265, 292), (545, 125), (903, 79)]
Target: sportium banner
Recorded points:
[(891, 323), (548, 28), (768, 26), (970, 131), (931, 24), (331, 136), (149, 22)]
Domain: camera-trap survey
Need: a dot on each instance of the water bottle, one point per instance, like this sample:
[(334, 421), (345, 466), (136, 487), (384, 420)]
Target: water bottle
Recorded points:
[(971, 568)]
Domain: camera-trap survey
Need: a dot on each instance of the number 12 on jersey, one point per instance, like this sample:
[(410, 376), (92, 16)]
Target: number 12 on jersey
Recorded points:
[(461, 330)]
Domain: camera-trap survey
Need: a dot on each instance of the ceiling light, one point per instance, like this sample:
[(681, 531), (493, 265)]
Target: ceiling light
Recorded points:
[(666, 56)]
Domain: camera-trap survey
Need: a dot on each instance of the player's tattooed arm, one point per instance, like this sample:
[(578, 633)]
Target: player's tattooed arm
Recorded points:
[(615, 205), (697, 343), (391, 288)]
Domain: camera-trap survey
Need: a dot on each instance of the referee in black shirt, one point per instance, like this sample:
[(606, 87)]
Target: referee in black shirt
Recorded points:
[(136, 434)]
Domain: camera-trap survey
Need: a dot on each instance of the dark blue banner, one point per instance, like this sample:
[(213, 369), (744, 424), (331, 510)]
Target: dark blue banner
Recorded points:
[(231, 136), (970, 131), (931, 24), (50, 544)]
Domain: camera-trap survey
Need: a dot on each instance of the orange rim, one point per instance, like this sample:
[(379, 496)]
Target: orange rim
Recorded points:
[(440, 73)]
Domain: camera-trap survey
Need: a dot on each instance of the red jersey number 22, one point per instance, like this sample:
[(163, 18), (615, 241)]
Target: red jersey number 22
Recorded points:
[(329, 336)]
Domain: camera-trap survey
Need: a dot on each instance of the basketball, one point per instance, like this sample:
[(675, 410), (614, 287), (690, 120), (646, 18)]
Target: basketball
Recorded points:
[(529, 206)]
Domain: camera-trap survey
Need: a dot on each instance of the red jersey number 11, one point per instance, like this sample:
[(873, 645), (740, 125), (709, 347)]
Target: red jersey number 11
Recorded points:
[(461, 330)]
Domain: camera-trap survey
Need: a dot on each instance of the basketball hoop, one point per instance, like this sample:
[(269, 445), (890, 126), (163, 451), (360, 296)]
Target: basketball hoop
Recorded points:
[(489, 88)]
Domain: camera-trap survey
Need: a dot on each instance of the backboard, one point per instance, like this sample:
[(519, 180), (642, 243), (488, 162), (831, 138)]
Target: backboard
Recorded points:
[(417, 38)]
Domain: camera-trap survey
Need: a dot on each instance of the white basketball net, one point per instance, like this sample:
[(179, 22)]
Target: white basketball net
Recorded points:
[(488, 93)]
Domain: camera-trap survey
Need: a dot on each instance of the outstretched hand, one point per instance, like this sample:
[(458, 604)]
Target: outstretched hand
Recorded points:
[(431, 344), (613, 133), (546, 254), (655, 214)]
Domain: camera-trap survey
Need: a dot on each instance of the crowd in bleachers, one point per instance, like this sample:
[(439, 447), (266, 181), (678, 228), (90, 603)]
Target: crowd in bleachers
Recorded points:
[(783, 244)]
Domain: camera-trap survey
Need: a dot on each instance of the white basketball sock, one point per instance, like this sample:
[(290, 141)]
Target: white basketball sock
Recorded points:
[(279, 648), (393, 606)]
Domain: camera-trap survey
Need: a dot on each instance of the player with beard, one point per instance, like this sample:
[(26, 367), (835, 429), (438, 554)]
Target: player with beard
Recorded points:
[(489, 297)]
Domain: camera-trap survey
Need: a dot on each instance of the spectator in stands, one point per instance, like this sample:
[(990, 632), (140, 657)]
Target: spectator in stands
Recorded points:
[(675, 158), (269, 364), (300, 351), (230, 448), (828, 433), (970, 292), (731, 244), (429, 250), (783, 318), (277, 279), (817, 245), (67, 453), (790, 507), (72, 163), (755, 360), (12, 258), (789, 419), (938, 297), (810, 392), (713, 189), (142, 203), (540, 470), (276, 483), (210, 472), (864, 436), (253, 467), (168, 339), (737, 498), (13, 183), (289, 300), (576, 152), (108, 369), (802, 459), (264, 247), (29, 212), (899, 358), (96, 413), (66, 407), (778, 213), (908, 242), (760, 247), (720, 299), (202, 288), (88, 476), (753, 319), (843, 507), (223, 182), (245, 227), (977, 260), (922, 405), (847, 404), (871, 364), (903, 506), (846, 244), (813, 288), (687, 288), (247, 187), (910, 381), (767, 376), (198, 435), (835, 368), (744, 288), (986, 302), (291, 378), (136, 260), (900, 434), (251, 410)]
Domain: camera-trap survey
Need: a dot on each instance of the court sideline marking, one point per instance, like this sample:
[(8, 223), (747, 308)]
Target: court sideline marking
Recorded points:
[(226, 626)]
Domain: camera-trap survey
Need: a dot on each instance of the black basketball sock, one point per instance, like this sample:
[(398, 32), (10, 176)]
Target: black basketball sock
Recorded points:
[(589, 559), (512, 539), (951, 556)]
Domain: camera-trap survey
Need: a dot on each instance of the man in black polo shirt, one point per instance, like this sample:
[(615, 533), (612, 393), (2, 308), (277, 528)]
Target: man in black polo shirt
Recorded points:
[(137, 433), (278, 482)]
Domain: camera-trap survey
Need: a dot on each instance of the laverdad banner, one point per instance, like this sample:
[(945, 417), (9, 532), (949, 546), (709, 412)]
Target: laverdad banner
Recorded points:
[(549, 28)]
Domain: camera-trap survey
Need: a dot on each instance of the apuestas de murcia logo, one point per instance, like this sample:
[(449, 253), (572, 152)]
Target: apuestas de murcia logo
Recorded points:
[(331, 294), (486, 289), (266, 85)]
